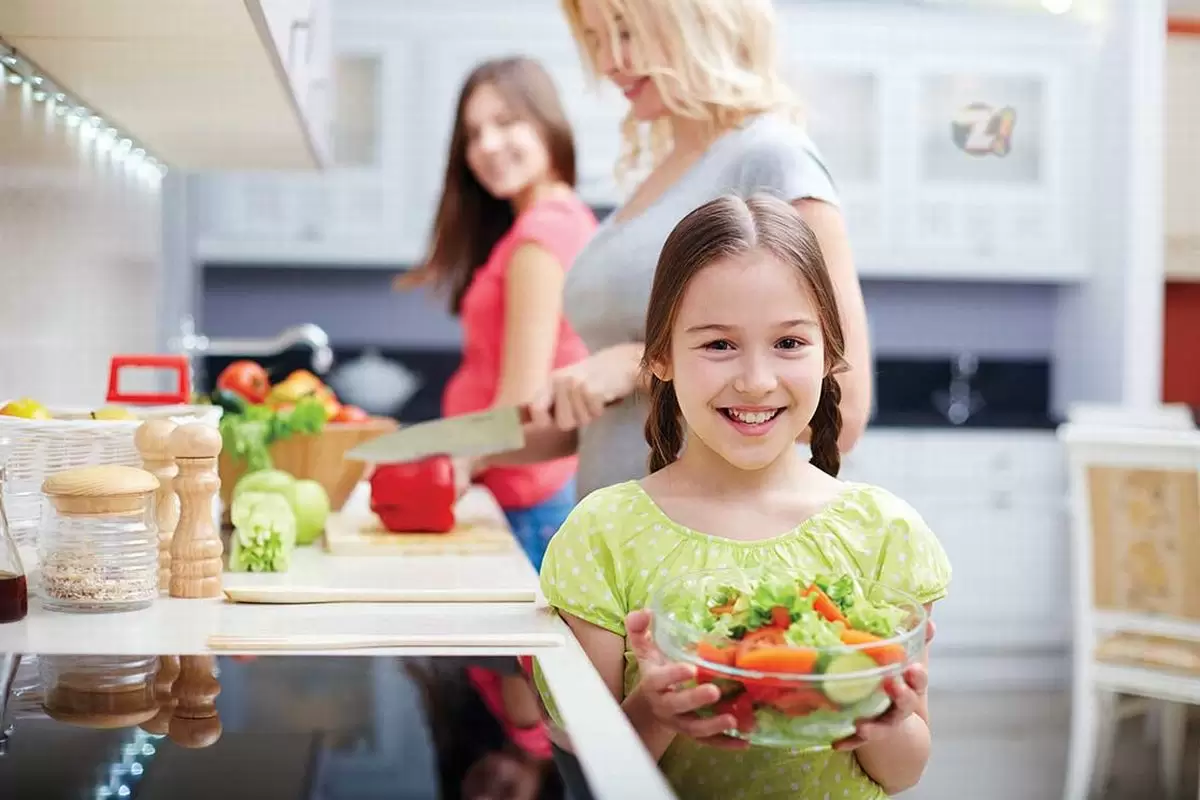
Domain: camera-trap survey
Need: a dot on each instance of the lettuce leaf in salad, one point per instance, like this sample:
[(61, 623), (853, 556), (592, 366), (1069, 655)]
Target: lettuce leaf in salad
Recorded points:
[(880, 619), (751, 609)]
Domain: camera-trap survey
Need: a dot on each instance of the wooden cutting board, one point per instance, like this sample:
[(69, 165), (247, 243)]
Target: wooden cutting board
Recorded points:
[(355, 531)]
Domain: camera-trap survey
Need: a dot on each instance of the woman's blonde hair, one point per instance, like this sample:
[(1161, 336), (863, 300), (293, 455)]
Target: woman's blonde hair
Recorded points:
[(711, 60)]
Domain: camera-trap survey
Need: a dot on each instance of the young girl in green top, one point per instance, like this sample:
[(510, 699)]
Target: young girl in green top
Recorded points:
[(743, 345)]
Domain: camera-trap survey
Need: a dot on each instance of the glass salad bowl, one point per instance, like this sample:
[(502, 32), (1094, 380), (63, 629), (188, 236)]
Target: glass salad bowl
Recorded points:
[(798, 662)]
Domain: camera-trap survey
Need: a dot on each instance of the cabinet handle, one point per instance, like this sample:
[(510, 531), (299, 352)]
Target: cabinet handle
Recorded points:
[(294, 31)]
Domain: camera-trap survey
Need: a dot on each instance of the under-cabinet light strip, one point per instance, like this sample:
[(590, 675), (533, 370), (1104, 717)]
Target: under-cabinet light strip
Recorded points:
[(19, 72)]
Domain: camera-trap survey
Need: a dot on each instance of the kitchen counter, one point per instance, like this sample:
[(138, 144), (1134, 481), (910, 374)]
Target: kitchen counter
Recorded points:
[(599, 730)]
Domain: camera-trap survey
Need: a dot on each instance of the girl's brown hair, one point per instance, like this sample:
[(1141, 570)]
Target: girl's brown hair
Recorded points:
[(726, 228), (470, 221)]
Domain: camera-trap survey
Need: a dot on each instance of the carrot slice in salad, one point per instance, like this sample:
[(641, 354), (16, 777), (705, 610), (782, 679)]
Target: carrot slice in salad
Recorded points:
[(797, 660), (883, 655), (826, 607)]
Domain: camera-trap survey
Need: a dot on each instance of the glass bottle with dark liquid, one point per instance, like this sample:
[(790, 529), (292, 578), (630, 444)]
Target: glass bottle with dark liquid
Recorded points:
[(14, 592)]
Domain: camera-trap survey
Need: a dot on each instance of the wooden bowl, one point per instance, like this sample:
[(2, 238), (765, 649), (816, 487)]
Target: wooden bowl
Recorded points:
[(320, 457)]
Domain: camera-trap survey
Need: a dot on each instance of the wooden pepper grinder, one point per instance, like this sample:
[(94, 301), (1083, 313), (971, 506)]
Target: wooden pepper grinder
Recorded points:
[(196, 546), (153, 441), (196, 722)]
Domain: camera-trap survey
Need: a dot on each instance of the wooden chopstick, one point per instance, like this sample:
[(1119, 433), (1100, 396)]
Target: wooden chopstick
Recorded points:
[(379, 641), (286, 595)]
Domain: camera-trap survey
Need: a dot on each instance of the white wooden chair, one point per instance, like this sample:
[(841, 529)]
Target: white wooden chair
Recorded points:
[(1135, 531), (1172, 416)]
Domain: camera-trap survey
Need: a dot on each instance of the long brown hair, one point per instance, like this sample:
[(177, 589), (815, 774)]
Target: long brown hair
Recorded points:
[(470, 221), (725, 228)]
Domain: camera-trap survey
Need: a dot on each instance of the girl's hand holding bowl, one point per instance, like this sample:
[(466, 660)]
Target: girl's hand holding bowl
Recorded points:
[(906, 693), (674, 703)]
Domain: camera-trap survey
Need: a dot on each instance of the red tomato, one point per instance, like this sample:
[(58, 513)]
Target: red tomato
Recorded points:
[(351, 414), (247, 379)]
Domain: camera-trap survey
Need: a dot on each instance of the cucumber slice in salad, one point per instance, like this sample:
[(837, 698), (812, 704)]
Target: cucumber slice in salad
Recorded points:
[(849, 691)]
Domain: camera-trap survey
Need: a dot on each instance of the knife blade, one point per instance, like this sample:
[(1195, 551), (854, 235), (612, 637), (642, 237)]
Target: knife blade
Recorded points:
[(497, 430)]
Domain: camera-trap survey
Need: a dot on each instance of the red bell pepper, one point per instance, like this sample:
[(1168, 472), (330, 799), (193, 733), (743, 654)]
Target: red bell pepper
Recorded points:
[(416, 497)]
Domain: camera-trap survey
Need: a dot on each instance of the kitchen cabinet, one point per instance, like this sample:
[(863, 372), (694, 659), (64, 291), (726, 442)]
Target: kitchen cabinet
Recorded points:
[(913, 109), (997, 500), (303, 35), (956, 139), (378, 211), (163, 73)]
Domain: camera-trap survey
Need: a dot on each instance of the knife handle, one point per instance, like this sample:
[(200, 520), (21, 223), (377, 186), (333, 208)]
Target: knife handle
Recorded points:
[(526, 416)]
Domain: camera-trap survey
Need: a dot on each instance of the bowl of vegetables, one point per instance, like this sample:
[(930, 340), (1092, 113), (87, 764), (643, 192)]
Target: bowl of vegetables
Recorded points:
[(798, 662)]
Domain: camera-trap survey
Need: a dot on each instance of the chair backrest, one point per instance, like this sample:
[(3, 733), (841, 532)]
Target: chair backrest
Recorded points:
[(1173, 416), (1135, 503)]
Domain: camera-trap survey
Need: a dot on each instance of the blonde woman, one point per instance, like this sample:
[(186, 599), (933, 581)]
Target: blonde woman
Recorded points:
[(709, 114)]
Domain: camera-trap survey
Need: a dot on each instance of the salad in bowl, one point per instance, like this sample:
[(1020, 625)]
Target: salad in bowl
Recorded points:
[(798, 662)]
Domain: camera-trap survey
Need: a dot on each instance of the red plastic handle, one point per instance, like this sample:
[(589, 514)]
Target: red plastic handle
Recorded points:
[(183, 388)]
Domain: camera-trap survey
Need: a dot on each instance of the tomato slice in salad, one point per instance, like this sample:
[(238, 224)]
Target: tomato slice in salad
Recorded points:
[(800, 701), (714, 654), (781, 617), (742, 708)]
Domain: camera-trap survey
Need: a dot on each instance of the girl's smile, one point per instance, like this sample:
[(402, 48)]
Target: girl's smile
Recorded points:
[(752, 420)]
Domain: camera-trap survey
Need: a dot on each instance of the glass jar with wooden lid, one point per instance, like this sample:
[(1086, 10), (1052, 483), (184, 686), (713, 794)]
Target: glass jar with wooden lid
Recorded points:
[(99, 691), (98, 542)]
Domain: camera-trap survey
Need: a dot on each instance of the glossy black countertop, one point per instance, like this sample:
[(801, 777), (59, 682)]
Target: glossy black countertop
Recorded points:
[(270, 728), (983, 420), (909, 392)]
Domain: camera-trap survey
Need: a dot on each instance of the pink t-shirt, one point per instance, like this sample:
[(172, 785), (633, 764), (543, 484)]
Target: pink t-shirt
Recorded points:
[(562, 225)]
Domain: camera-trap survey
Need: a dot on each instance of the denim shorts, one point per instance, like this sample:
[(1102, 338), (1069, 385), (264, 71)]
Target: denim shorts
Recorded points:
[(533, 526)]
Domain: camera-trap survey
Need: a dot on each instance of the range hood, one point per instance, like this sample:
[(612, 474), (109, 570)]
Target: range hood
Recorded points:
[(200, 84)]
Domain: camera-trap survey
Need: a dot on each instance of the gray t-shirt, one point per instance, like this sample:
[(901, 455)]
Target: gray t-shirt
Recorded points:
[(608, 286)]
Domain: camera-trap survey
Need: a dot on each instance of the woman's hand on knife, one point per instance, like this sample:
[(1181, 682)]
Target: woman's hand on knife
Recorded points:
[(578, 394)]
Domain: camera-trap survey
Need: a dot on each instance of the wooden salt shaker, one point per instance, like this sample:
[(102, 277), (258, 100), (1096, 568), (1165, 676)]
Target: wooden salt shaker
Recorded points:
[(153, 442), (196, 546)]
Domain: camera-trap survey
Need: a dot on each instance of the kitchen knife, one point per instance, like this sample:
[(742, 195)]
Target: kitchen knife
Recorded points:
[(497, 430)]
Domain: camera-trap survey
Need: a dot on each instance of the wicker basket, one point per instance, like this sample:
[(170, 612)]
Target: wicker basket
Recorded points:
[(42, 447), (320, 457)]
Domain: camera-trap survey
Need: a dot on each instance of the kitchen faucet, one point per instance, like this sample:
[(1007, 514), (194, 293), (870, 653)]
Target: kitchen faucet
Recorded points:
[(196, 345), (960, 402)]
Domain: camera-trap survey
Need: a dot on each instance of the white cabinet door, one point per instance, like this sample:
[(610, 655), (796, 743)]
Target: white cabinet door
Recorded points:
[(989, 180), (960, 147), (997, 502), (1182, 173)]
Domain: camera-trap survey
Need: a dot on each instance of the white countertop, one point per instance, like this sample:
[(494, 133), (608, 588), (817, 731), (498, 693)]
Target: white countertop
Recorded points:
[(599, 730)]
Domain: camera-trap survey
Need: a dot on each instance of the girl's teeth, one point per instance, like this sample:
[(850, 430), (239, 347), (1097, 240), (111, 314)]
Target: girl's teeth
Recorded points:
[(752, 417)]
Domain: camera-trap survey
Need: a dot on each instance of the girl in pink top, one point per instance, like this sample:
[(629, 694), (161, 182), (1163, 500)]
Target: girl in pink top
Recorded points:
[(508, 226)]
